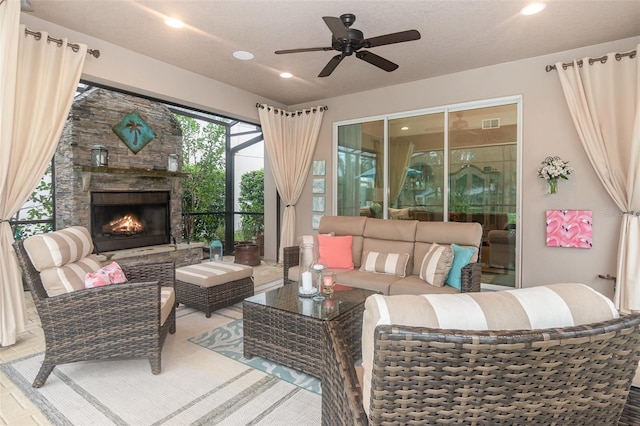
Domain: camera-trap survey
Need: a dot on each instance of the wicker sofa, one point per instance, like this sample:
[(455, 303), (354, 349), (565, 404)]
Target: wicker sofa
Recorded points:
[(130, 319), (566, 358), (405, 236)]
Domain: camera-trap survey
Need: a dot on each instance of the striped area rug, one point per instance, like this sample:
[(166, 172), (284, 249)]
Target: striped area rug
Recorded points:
[(197, 386), (227, 340)]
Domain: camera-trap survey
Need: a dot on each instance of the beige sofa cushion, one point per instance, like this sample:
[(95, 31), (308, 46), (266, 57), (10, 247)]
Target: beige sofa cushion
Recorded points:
[(69, 277), (399, 213), (209, 274), (412, 284), (167, 302), (550, 306), (367, 280), (381, 229), (55, 249)]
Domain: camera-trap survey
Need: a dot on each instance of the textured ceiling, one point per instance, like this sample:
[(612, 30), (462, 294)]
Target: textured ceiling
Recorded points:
[(456, 35)]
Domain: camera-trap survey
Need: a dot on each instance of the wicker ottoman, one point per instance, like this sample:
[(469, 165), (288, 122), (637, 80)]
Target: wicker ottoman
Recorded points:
[(209, 286)]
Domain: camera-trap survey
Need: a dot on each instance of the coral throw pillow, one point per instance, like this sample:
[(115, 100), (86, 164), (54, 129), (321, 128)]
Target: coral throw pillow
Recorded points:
[(336, 251), (110, 274)]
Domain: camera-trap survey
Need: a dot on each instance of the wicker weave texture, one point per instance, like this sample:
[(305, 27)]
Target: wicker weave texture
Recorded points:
[(571, 376), (295, 340), (341, 392), (290, 258), (118, 320), (208, 299), (631, 413)]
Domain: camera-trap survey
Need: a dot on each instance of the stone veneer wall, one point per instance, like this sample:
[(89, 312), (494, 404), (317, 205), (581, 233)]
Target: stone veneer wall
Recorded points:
[(90, 120)]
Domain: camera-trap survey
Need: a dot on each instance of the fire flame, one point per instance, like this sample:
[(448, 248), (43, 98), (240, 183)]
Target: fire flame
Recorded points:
[(128, 224)]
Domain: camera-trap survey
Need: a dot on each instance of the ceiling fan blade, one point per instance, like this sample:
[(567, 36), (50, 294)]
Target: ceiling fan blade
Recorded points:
[(308, 49), (400, 37), (333, 63), (376, 60), (336, 26)]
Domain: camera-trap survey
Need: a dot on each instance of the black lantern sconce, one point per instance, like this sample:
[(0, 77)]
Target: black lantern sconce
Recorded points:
[(99, 156)]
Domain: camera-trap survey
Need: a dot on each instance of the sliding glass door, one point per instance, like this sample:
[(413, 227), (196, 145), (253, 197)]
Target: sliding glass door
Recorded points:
[(456, 163), (360, 165)]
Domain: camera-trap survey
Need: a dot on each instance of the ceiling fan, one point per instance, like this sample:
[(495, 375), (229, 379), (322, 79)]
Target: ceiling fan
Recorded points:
[(348, 41)]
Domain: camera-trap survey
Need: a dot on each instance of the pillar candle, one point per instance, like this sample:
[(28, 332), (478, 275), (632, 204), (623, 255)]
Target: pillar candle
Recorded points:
[(306, 281)]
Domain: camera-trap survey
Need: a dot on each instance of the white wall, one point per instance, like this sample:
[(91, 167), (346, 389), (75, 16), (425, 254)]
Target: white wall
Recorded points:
[(547, 130)]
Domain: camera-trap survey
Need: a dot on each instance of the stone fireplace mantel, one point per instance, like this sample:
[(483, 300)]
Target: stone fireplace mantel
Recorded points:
[(88, 171)]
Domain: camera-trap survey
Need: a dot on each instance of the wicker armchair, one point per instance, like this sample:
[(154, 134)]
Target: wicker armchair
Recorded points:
[(113, 321), (571, 376)]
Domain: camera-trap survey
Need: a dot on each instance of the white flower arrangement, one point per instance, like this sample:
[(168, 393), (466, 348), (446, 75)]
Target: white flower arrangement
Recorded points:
[(554, 168)]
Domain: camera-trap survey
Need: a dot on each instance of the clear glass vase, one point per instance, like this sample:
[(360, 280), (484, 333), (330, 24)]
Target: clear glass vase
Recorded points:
[(553, 186), (307, 284)]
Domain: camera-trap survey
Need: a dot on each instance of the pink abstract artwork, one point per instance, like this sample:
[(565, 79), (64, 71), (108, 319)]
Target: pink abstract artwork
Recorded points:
[(569, 228)]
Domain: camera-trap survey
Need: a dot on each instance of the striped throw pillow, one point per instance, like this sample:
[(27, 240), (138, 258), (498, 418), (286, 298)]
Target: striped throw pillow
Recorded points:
[(436, 265), (385, 263), (550, 306), (70, 277)]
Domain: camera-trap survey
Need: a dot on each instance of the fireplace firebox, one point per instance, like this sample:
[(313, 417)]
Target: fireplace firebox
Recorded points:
[(122, 220)]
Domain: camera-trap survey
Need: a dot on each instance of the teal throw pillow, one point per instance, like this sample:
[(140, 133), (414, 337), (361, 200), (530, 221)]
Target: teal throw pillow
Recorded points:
[(461, 258)]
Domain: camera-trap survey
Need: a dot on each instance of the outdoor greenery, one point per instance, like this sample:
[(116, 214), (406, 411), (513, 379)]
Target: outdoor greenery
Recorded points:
[(252, 200), (39, 206), (204, 190), (203, 152)]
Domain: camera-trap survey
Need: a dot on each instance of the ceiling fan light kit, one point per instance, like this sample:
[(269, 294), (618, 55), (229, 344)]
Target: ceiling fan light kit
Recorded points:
[(348, 41)]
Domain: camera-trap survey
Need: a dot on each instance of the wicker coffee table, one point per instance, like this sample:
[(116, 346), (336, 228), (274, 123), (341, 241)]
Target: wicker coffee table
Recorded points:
[(287, 329)]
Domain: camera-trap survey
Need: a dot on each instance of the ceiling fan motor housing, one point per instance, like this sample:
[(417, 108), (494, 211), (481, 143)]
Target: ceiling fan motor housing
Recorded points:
[(350, 45)]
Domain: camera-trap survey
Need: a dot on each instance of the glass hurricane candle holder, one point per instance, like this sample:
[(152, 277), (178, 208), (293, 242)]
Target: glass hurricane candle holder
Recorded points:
[(306, 261), (328, 282), (319, 267)]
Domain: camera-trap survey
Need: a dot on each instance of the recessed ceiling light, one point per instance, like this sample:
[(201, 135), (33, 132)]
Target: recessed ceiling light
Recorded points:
[(286, 75), (243, 55), (174, 23), (533, 8)]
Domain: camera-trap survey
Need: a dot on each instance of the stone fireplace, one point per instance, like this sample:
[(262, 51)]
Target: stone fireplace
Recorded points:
[(134, 183)]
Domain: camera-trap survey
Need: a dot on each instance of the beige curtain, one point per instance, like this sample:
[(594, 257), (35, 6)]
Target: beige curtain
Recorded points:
[(290, 139), (399, 159), (604, 100), (39, 79)]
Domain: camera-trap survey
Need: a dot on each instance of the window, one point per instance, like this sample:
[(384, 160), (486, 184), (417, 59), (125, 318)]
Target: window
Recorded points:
[(453, 163)]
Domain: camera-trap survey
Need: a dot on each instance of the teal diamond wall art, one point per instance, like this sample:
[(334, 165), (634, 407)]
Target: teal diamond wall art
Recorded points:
[(134, 132)]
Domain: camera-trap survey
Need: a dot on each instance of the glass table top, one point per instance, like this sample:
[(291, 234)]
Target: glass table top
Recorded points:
[(286, 298)]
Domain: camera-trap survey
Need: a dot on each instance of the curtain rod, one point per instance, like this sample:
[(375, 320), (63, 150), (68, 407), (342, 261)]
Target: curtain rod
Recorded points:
[(601, 59), (38, 35), (287, 113)]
